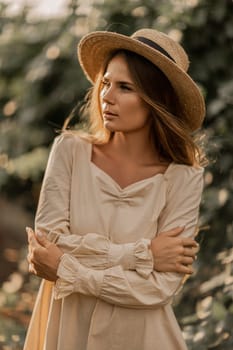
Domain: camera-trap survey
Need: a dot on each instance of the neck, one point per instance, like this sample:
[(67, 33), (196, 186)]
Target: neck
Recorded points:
[(133, 146)]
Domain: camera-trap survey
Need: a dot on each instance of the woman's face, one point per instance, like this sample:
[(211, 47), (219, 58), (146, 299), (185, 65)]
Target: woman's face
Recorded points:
[(122, 108)]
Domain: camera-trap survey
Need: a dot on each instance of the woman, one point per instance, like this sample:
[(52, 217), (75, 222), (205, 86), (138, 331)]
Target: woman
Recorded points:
[(119, 207)]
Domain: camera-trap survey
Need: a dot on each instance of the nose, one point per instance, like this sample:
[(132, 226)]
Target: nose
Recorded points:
[(107, 95)]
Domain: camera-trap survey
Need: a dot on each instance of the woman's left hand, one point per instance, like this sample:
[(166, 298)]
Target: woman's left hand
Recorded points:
[(43, 256)]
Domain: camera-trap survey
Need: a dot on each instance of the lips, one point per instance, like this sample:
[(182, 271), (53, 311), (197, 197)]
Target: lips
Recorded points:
[(108, 114)]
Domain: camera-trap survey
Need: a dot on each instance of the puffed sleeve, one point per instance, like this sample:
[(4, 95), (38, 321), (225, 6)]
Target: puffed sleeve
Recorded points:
[(127, 288), (53, 217)]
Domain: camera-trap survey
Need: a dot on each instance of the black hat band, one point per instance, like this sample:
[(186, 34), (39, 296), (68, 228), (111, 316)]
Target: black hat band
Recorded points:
[(154, 46)]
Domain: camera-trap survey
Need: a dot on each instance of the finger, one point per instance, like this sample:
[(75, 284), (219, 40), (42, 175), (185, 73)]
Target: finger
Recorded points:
[(184, 269), (42, 239), (196, 248), (189, 242), (29, 249), (31, 236), (29, 231), (32, 269), (174, 232), (32, 240), (189, 252), (186, 260), (188, 270), (31, 258)]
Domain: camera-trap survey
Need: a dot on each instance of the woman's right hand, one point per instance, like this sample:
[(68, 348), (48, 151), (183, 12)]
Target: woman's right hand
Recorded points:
[(173, 253)]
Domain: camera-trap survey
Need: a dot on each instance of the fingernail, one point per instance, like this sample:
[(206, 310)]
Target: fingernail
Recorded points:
[(28, 229)]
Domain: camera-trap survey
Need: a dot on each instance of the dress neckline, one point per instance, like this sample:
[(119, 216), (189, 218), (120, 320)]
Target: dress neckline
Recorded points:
[(133, 184)]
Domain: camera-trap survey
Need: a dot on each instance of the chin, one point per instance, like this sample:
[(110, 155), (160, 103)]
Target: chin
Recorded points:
[(110, 126)]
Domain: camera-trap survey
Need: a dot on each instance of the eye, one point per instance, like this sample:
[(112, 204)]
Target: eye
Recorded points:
[(125, 87)]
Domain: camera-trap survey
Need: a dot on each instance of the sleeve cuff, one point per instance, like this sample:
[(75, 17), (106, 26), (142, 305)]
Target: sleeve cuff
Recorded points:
[(132, 256), (75, 278), (144, 258)]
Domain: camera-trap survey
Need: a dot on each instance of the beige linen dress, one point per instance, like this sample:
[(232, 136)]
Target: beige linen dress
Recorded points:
[(107, 296)]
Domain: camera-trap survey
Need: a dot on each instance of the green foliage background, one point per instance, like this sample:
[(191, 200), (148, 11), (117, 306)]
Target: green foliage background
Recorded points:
[(41, 82)]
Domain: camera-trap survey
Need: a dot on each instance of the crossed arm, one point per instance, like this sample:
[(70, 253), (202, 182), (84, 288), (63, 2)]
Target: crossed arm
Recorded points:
[(164, 259), (171, 253)]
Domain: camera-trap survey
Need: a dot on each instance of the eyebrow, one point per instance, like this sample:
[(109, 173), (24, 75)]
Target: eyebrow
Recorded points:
[(120, 81), (125, 83)]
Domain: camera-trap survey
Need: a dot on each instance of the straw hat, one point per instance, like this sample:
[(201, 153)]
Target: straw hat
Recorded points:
[(158, 48)]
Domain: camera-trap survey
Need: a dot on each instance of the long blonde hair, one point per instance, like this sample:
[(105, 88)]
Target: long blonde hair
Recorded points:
[(170, 130)]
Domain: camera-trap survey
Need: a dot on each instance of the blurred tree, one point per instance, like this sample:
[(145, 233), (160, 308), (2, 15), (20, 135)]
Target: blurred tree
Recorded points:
[(208, 38), (41, 82), (211, 51)]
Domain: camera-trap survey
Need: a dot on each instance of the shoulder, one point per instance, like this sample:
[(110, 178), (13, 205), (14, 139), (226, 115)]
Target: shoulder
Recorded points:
[(69, 142), (182, 177), (68, 148), (176, 170)]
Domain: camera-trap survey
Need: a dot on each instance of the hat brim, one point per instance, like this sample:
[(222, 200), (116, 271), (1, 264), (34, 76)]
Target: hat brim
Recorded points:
[(95, 47)]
